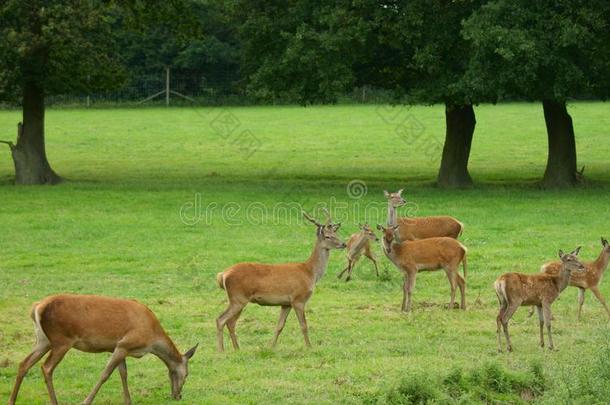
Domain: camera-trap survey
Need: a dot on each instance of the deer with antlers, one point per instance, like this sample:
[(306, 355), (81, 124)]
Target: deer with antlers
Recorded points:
[(289, 285), (540, 290), (357, 245), (413, 256), (94, 324), (587, 280), (423, 227)]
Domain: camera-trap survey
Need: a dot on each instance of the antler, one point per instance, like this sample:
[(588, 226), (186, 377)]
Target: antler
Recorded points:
[(310, 219), (328, 217)]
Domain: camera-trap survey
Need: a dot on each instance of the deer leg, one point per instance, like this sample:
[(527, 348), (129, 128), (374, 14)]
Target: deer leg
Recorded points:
[(280, 324), (499, 318), (222, 320), (541, 320), (530, 312), (599, 297), (581, 301), (452, 283), (300, 311), (118, 357), (123, 372), (231, 326), (462, 285), (546, 312), (408, 290), (40, 350), (508, 313), (344, 270), (56, 355), (352, 263), (372, 258)]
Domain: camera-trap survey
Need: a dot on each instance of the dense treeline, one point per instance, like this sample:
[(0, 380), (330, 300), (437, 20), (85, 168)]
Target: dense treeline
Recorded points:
[(459, 53)]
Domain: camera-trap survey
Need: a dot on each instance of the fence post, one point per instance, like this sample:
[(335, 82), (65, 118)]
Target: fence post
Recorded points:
[(167, 89)]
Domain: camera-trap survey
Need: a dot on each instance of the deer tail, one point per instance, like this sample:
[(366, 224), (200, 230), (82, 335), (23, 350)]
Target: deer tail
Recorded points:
[(500, 286), (220, 279), (461, 228)]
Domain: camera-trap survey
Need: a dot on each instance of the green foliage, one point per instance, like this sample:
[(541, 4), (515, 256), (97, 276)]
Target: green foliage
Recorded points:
[(539, 49), (62, 46), (489, 383)]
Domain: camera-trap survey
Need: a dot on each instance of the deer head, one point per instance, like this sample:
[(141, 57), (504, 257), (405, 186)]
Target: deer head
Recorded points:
[(388, 236), (570, 261), (395, 198), (368, 232), (179, 372), (327, 233)]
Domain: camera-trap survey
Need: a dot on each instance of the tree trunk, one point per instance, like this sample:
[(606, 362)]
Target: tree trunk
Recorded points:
[(29, 155), (460, 122), (561, 164)]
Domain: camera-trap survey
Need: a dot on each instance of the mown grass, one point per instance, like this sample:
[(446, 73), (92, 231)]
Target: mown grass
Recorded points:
[(115, 228)]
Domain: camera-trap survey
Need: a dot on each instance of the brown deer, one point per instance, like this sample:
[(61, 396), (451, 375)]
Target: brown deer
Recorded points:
[(94, 324), (423, 227), (430, 254), (357, 245), (540, 290), (287, 285), (589, 279)]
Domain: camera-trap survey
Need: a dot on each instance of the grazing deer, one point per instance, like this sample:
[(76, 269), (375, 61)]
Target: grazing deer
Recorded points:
[(429, 254), (589, 279), (358, 244), (541, 290), (287, 285), (94, 324), (423, 227)]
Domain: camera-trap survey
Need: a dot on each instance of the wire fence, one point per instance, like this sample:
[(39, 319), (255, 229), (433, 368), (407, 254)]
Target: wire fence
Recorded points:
[(176, 87)]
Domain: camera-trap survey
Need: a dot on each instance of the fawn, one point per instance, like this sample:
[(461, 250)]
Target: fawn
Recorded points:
[(357, 245)]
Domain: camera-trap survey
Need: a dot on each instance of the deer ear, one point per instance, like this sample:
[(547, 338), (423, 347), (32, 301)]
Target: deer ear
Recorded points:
[(561, 254), (575, 252), (386, 194), (336, 227), (379, 227), (191, 352), (604, 242), (399, 192), (395, 227)]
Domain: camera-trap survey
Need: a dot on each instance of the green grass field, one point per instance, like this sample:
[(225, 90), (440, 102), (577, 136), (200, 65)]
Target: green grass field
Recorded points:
[(115, 227)]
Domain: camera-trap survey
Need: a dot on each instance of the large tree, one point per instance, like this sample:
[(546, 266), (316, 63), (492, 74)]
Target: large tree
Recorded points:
[(430, 61), (63, 47), (311, 51), (50, 47), (545, 50)]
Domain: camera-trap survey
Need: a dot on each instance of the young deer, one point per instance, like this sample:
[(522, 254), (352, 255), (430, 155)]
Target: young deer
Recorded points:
[(358, 244), (423, 227), (287, 285), (429, 254), (541, 290), (589, 279), (95, 324)]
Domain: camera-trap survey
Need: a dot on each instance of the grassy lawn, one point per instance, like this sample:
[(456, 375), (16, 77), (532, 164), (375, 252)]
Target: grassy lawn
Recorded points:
[(131, 221)]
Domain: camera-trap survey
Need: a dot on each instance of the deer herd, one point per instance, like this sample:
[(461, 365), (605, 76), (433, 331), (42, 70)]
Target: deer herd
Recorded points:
[(93, 324)]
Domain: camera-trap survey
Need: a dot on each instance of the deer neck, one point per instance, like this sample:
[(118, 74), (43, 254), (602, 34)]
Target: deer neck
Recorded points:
[(392, 221), (563, 278), (318, 261), (166, 350), (601, 263)]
